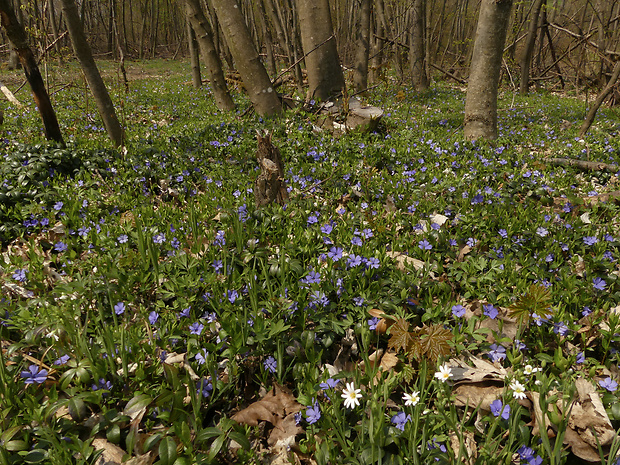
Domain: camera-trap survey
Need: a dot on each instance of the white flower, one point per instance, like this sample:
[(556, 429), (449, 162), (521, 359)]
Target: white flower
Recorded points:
[(351, 396), (412, 399), (518, 389), (529, 370), (444, 373)]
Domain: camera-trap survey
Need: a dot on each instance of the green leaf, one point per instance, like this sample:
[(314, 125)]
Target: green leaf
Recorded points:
[(277, 328), (208, 433), (240, 439), (136, 404), (216, 447), (167, 451), (35, 456), (150, 442)]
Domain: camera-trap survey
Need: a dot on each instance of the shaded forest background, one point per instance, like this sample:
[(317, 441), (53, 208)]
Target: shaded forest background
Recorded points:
[(575, 42)]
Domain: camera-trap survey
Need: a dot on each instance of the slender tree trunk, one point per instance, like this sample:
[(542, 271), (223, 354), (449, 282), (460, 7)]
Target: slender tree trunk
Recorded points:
[(91, 72), (194, 55), (267, 38), (212, 61), (264, 98), (325, 76), (17, 35), (55, 31), (376, 51), (360, 73), (481, 100), (418, 47), (528, 51), (600, 99)]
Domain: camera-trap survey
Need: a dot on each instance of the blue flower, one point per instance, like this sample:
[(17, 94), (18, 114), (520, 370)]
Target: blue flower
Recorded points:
[(330, 383), (498, 408), (497, 353), (201, 356), (372, 323), (458, 311), (204, 387), (60, 246), (590, 240), (196, 328), (490, 311), (335, 253), (122, 239), (34, 374), (608, 384), (327, 229), (20, 275), (153, 317), (313, 413), (400, 420), (232, 296), (271, 364), (354, 260), (62, 360), (119, 308), (599, 284), (425, 245)]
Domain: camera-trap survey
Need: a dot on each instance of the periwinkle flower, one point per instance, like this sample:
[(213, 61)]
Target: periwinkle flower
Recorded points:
[(34, 375), (271, 364)]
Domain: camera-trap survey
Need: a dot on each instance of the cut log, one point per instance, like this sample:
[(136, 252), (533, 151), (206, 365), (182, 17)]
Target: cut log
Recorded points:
[(582, 164), (270, 185), (9, 95), (339, 119)]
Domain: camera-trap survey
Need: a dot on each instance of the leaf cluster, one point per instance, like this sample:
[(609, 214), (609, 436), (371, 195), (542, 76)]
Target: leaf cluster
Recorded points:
[(536, 300), (426, 342)]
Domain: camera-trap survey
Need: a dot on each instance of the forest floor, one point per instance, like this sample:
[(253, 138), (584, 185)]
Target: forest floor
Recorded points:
[(419, 299)]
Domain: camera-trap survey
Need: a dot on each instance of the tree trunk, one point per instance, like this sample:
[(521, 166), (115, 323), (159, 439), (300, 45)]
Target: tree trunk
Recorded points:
[(194, 57), (600, 99), (212, 61), (360, 72), (530, 41), (91, 72), (325, 76), (268, 39), (418, 48), (264, 98), (481, 101), (17, 35)]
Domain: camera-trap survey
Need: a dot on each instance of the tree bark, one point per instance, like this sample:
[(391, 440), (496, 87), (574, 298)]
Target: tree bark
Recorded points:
[(17, 35), (600, 99), (91, 72), (481, 101), (213, 64), (325, 76), (194, 53), (418, 48), (360, 72), (255, 78), (528, 52)]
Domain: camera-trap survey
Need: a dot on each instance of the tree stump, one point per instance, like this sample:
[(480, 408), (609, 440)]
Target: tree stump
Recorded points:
[(270, 185), (337, 119)]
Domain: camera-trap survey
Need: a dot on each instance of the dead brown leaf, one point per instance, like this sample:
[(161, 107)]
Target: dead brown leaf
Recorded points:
[(464, 446), (277, 407), (404, 261), (588, 423), (111, 455)]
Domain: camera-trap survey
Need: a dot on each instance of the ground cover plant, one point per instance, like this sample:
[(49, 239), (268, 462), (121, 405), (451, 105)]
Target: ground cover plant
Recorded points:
[(419, 299)]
